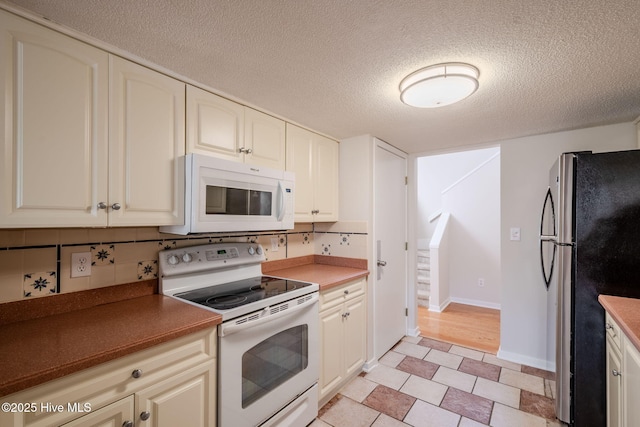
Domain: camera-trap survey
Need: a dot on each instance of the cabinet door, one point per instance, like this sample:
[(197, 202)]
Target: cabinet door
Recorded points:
[(331, 350), (354, 335), (325, 168), (265, 137), (614, 386), (54, 157), (299, 160), (187, 399), (146, 140), (630, 384), (215, 126), (113, 415)]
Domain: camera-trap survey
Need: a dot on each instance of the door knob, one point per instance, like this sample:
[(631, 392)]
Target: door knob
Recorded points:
[(381, 263)]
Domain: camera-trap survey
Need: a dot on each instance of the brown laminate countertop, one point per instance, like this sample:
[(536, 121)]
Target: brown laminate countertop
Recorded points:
[(626, 313), (42, 349), (327, 271)]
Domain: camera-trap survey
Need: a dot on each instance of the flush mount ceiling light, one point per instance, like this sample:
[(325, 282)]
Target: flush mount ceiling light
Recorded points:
[(439, 85)]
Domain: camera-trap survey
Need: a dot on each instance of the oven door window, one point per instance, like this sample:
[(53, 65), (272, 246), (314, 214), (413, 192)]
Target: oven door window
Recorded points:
[(237, 201), (272, 362)]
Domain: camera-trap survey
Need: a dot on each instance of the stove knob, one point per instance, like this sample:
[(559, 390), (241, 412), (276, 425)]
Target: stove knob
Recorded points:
[(259, 250), (187, 258), (173, 260), (251, 250)]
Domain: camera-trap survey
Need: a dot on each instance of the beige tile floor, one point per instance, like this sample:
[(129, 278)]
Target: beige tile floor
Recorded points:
[(427, 383)]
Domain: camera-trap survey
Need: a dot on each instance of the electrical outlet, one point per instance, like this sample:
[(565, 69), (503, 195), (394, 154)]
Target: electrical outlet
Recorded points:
[(481, 283), (81, 264)]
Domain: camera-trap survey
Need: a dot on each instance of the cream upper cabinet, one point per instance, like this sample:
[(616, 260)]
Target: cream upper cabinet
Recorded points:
[(314, 159), (91, 140), (146, 140), (215, 125), (264, 138), (54, 121), (222, 128)]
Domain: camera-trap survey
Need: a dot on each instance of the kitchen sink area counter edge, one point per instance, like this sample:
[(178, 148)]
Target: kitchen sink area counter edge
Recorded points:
[(40, 349), (327, 271), (626, 313)]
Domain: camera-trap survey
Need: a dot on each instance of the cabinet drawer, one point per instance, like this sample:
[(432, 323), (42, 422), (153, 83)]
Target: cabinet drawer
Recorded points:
[(341, 293), (613, 330), (100, 385)]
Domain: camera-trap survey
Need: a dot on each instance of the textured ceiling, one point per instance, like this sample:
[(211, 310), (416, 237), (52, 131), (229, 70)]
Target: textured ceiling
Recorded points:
[(334, 65)]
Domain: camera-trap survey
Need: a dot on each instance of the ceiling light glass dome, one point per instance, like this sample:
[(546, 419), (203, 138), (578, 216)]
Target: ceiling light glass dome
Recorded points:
[(439, 85)]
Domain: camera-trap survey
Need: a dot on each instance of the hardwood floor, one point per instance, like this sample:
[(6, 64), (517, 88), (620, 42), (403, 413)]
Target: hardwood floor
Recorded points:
[(465, 325)]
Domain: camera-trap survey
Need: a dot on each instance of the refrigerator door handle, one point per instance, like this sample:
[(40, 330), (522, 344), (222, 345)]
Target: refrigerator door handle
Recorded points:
[(547, 238)]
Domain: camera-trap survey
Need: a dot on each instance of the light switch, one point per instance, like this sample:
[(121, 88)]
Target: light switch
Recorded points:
[(515, 233)]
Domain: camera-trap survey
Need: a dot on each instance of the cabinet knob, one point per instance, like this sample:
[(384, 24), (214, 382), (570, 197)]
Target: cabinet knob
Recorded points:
[(127, 424), (248, 150), (315, 211), (116, 206), (102, 205), (137, 373), (608, 326), (144, 416), (615, 373), (346, 291)]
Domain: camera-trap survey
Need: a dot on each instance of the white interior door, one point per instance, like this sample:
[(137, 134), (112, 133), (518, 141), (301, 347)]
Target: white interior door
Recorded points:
[(390, 275)]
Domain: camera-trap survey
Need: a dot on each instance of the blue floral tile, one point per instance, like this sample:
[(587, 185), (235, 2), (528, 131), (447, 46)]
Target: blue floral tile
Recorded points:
[(344, 239), (40, 284), (148, 270), (306, 238), (103, 255)]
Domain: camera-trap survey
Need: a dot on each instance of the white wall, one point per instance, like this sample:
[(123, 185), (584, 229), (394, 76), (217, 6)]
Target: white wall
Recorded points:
[(435, 174), (527, 321), (467, 185)]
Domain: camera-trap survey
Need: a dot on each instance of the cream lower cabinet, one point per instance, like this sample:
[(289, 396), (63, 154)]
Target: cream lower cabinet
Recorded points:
[(172, 384), (342, 336), (90, 139), (315, 161), (623, 377)]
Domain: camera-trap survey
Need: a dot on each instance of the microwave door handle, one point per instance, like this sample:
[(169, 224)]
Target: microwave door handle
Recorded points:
[(280, 212)]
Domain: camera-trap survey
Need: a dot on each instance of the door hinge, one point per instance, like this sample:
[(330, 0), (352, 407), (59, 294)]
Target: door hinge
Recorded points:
[(406, 312), (406, 246), (406, 180)]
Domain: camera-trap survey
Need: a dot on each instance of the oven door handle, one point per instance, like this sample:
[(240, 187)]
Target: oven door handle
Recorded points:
[(233, 327)]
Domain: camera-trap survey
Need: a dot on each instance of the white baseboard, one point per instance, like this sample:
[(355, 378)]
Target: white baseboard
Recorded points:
[(369, 365), (439, 308), (526, 360), (415, 332), (476, 303)]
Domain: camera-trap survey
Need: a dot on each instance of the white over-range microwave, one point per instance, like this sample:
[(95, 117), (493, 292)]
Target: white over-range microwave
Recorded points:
[(222, 195)]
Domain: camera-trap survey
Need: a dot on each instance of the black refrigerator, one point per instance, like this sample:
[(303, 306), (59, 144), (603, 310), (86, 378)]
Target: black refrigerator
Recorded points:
[(589, 245)]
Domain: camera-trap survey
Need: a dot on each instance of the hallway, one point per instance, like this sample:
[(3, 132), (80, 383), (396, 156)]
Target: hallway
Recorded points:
[(469, 326)]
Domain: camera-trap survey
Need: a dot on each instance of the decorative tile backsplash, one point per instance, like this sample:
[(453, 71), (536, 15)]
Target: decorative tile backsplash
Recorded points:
[(37, 262)]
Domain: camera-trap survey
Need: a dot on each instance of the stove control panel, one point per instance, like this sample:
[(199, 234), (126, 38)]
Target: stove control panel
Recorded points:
[(213, 256)]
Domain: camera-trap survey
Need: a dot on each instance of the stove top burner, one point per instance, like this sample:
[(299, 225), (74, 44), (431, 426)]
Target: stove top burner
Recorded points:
[(235, 294), (226, 301)]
